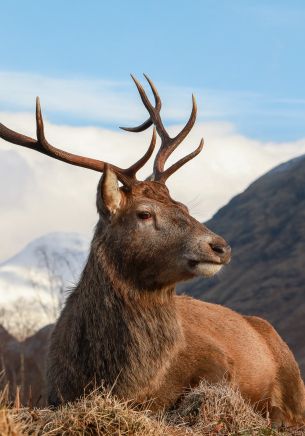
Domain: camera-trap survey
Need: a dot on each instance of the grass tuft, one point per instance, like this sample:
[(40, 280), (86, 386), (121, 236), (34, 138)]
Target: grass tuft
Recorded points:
[(218, 409)]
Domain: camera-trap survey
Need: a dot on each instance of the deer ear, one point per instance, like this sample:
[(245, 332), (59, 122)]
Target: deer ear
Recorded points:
[(110, 190)]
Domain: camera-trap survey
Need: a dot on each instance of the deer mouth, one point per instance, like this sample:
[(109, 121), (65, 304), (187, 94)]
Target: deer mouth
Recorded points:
[(203, 267), (195, 262)]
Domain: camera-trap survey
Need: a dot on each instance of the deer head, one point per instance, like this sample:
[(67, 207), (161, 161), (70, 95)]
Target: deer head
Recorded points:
[(152, 240)]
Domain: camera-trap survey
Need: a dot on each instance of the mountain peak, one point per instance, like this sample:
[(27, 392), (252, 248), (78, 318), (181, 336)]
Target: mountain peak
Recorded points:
[(38, 275)]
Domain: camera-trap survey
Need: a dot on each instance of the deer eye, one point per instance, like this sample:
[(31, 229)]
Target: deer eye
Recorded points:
[(144, 215)]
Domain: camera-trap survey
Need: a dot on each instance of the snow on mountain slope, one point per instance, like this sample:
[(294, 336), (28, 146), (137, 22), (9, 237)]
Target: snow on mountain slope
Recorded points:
[(37, 278)]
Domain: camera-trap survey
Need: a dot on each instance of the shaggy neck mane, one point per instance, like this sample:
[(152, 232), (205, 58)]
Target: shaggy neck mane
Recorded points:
[(126, 334)]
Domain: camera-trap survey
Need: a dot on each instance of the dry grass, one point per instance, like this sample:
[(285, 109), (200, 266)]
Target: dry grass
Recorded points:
[(218, 409), (8, 426), (206, 410), (97, 414)]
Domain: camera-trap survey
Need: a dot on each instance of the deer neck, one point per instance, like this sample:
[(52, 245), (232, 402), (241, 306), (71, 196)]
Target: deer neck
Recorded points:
[(134, 334)]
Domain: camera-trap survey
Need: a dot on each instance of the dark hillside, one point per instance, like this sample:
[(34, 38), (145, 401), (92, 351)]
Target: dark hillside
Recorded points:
[(265, 226), (22, 365)]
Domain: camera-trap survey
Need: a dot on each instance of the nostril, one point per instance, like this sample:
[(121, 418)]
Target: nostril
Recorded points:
[(217, 248), (220, 249)]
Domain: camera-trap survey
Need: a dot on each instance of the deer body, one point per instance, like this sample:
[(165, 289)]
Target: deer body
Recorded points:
[(245, 351), (153, 344), (124, 328)]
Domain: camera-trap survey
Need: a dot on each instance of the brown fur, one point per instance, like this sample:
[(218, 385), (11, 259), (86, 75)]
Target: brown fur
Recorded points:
[(124, 327)]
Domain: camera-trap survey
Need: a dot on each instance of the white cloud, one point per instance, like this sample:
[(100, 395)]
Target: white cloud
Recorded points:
[(11, 195), (52, 196)]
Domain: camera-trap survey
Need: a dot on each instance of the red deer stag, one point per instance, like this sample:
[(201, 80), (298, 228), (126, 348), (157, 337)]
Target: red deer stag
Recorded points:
[(123, 326)]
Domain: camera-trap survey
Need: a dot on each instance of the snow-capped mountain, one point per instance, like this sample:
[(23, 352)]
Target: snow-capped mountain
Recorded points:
[(36, 279)]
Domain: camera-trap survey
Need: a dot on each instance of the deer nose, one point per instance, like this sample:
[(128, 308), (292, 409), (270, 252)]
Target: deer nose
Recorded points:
[(222, 249)]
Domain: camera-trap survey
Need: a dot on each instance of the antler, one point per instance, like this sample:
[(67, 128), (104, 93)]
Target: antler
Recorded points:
[(168, 144), (126, 176)]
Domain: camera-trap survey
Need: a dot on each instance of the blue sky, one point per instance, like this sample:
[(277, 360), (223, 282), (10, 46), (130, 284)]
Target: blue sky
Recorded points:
[(244, 59)]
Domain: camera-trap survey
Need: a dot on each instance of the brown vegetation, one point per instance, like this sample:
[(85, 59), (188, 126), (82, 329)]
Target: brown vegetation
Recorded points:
[(206, 410)]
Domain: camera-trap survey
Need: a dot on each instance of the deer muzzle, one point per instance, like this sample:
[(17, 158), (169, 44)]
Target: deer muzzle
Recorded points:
[(209, 254)]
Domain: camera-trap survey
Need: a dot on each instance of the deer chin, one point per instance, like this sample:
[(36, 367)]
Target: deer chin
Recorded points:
[(204, 268)]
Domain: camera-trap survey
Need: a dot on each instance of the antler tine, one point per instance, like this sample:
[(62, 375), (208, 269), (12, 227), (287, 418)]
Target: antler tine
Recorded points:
[(189, 125), (155, 93), (133, 169), (126, 176), (173, 168), (139, 128), (147, 104), (39, 124)]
